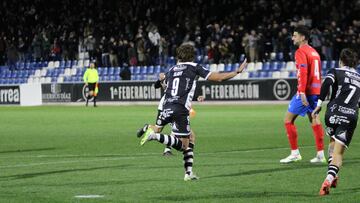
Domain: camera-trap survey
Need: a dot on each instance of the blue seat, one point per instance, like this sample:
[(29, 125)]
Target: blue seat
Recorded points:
[(117, 71), (150, 70), (242, 57), (264, 74), (199, 59), (171, 60), (111, 71), (333, 64), (137, 70), (292, 74), (266, 66), (324, 65), (157, 69), (14, 74), (274, 66), (132, 70), (143, 70), (228, 67), (117, 77), (253, 75)]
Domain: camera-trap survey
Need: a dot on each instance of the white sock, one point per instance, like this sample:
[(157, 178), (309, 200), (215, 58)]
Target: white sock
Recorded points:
[(295, 152), (330, 178), (320, 154)]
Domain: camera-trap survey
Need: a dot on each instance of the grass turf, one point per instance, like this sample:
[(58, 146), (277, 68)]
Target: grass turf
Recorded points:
[(53, 153)]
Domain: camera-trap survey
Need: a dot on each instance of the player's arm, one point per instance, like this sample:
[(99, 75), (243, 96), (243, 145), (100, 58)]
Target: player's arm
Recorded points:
[(160, 82), (218, 77), (325, 89), (85, 76), (303, 68)]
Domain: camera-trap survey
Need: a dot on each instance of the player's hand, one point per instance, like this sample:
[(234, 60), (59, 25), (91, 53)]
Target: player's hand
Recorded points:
[(316, 112), (161, 76), (201, 98), (304, 100), (242, 67)]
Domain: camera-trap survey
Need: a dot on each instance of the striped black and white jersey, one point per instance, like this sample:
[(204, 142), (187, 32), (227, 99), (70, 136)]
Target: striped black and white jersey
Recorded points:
[(181, 83), (345, 84)]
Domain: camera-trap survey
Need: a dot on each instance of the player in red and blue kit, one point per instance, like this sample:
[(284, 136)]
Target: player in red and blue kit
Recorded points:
[(308, 65)]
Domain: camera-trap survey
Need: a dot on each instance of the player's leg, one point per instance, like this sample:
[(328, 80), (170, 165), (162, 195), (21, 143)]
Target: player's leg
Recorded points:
[(333, 168), (90, 94), (317, 131), (148, 132), (292, 136), (192, 140), (342, 137)]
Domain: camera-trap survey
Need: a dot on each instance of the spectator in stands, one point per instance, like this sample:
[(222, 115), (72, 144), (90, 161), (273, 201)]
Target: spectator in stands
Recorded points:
[(132, 54), (140, 47), (2, 48), (22, 49), (154, 38), (125, 73), (285, 43), (89, 43), (253, 40), (12, 56), (55, 50), (72, 44), (37, 47), (113, 52)]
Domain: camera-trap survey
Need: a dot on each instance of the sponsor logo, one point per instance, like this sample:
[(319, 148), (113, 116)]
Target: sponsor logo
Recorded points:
[(281, 90), (10, 95), (335, 119), (346, 110), (333, 107)]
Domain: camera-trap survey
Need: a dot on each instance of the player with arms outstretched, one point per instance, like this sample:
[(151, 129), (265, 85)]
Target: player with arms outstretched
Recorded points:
[(308, 65), (181, 84)]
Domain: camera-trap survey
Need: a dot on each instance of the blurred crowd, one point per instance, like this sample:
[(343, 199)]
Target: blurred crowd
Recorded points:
[(147, 32)]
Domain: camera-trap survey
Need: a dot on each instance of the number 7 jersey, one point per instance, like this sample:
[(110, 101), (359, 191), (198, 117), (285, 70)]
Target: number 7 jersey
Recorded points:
[(181, 83), (308, 65), (346, 87)]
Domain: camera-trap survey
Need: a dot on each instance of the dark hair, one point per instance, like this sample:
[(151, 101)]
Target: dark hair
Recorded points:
[(185, 53), (348, 57), (303, 30)]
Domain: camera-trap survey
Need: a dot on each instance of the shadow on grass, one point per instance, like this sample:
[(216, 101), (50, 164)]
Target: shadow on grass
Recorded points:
[(234, 195), (268, 170), (27, 150), (32, 175)]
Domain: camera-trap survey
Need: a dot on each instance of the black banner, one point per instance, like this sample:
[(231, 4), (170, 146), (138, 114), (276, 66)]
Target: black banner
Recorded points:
[(10, 94), (259, 89)]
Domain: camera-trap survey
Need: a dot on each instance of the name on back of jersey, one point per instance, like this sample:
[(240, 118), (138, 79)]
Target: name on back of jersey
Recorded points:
[(352, 78), (177, 74)]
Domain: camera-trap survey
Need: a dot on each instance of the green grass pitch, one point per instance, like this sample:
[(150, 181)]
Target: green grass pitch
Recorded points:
[(53, 153)]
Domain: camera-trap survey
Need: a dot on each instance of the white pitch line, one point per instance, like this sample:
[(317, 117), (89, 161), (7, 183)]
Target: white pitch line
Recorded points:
[(88, 196)]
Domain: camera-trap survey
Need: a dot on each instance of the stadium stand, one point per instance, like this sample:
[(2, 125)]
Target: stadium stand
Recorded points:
[(38, 46)]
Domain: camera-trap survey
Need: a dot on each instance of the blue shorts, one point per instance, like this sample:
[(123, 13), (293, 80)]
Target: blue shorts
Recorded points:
[(296, 106)]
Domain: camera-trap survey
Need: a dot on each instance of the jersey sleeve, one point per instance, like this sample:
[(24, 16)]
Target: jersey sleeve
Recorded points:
[(303, 68), (328, 82), (202, 71)]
